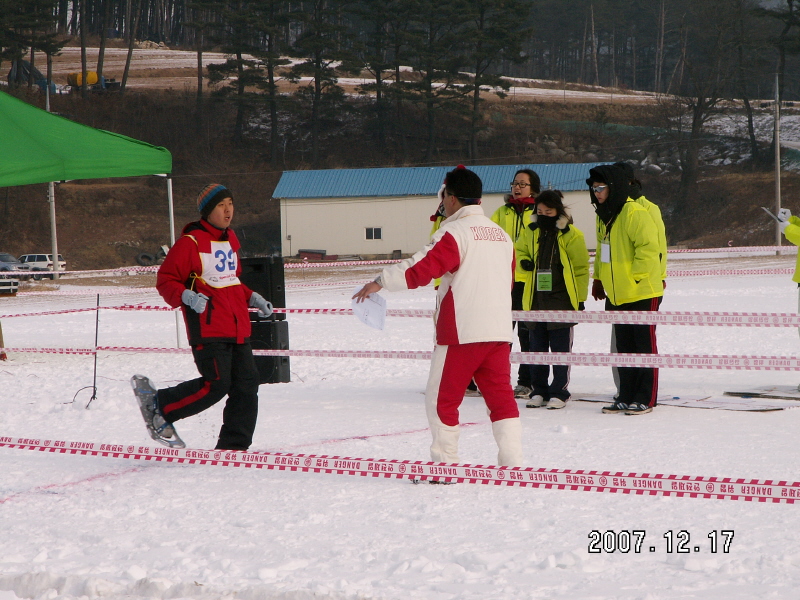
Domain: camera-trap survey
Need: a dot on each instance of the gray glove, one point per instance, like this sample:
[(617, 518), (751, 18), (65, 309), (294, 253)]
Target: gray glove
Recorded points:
[(197, 302), (784, 215), (264, 307)]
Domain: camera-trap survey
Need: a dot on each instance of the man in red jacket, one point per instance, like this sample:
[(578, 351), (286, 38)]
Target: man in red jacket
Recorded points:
[(201, 275)]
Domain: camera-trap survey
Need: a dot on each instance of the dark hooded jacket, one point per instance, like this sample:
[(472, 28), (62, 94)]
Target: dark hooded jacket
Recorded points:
[(632, 269), (619, 191)]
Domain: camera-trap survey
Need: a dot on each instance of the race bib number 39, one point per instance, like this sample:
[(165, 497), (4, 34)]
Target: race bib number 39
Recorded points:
[(219, 267)]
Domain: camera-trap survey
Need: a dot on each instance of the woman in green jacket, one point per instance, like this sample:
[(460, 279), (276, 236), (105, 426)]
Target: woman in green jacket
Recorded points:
[(552, 254)]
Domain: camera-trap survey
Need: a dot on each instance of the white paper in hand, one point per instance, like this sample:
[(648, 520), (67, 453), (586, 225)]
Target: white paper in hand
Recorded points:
[(372, 311)]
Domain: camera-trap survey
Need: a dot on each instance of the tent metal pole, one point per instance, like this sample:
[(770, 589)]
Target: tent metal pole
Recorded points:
[(51, 198), (171, 213)]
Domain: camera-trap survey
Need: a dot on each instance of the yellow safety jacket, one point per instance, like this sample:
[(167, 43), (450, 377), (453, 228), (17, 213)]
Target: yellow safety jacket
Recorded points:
[(792, 234), (655, 213), (574, 260), (514, 223), (629, 268)]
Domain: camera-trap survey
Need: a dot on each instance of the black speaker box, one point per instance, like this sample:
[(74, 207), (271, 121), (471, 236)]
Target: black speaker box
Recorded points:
[(264, 275), (271, 335)]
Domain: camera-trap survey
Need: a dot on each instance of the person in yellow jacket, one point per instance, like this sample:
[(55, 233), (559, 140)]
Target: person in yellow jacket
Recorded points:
[(790, 227), (553, 254), (514, 217), (654, 211), (628, 267)]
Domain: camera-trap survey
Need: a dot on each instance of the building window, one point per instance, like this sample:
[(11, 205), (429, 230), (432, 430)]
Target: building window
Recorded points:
[(374, 233)]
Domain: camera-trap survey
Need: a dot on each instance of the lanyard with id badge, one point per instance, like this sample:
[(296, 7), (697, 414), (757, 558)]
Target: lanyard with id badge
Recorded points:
[(544, 277), (544, 281)]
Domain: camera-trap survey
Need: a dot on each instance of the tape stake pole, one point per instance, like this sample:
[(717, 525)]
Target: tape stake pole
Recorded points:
[(96, 333)]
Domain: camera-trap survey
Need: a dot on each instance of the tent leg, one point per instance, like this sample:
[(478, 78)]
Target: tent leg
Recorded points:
[(51, 198), (171, 213)]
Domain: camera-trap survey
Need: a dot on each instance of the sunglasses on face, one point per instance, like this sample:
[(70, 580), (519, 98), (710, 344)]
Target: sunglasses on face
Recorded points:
[(599, 188), (520, 184)]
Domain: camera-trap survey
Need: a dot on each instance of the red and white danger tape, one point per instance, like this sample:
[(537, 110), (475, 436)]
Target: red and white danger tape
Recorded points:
[(720, 488), (783, 250), (599, 359), (736, 249), (735, 319), (728, 272), (347, 263), (325, 284)]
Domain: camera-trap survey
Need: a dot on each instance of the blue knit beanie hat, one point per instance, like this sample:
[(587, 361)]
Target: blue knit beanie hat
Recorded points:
[(210, 196)]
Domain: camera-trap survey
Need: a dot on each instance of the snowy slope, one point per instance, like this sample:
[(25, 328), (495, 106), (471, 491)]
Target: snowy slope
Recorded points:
[(78, 527)]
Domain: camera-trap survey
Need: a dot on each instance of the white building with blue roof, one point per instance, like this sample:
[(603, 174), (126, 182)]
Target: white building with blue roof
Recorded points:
[(377, 212)]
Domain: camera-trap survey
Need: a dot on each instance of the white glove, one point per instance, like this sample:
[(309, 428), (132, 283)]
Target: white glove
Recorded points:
[(784, 215), (441, 193), (264, 307), (783, 225), (197, 302)]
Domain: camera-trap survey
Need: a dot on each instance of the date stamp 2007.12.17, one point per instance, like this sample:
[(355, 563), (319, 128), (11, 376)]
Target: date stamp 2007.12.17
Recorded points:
[(678, 542)]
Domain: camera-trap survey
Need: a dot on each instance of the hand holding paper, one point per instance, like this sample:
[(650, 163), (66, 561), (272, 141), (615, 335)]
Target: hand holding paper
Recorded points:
[(370, 307)]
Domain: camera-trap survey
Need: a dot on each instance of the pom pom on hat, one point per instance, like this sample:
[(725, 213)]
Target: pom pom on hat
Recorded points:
[(210, 196)]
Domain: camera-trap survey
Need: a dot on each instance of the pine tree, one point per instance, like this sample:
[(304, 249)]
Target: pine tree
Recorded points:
[(320, 46), (496, 31)]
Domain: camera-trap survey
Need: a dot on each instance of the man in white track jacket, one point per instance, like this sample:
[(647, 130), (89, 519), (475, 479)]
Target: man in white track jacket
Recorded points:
[(474, 258)]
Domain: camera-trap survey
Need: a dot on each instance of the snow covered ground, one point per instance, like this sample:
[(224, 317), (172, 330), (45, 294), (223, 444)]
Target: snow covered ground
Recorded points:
[(76, 527)]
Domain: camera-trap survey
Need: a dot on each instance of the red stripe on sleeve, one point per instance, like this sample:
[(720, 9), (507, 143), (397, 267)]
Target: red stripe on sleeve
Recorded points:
[(443, 257)]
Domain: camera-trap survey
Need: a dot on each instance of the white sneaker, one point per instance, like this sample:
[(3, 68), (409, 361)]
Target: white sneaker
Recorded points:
[(522, 391), (535, 401), (556, 403)]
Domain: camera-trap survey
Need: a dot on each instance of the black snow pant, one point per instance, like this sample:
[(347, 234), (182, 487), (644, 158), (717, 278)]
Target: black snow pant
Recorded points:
[(524, 373), (637, 384), (225, 369), (543, 339)]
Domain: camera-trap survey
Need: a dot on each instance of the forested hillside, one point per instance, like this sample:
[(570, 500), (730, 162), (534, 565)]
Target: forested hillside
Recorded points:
[(432, 81)]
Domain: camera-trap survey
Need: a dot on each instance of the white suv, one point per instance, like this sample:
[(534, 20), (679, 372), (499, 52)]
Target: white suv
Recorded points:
[(42, 262)]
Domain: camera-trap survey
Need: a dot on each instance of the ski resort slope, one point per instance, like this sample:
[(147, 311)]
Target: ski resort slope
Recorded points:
[(77, 527)]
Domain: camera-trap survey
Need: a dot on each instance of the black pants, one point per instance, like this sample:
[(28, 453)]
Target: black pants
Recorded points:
[(637, 384), (523, 374), (225, 369), (543, 339)]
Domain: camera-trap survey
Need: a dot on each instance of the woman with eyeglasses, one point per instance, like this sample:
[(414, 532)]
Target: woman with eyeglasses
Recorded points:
[(627, 268), (553, 253), (514, 216)]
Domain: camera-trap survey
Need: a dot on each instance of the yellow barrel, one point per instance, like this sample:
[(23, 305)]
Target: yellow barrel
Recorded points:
[(76, 79)]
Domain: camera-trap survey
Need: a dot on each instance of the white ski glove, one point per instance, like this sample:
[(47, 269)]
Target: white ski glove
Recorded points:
[(197, 302), (784, 215), (783, 225), (264, 307)]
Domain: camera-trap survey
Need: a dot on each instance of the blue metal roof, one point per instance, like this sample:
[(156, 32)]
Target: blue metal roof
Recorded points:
[(419, 181)]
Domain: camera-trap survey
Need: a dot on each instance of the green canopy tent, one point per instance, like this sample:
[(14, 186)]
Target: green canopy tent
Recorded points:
[(39, 147)]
